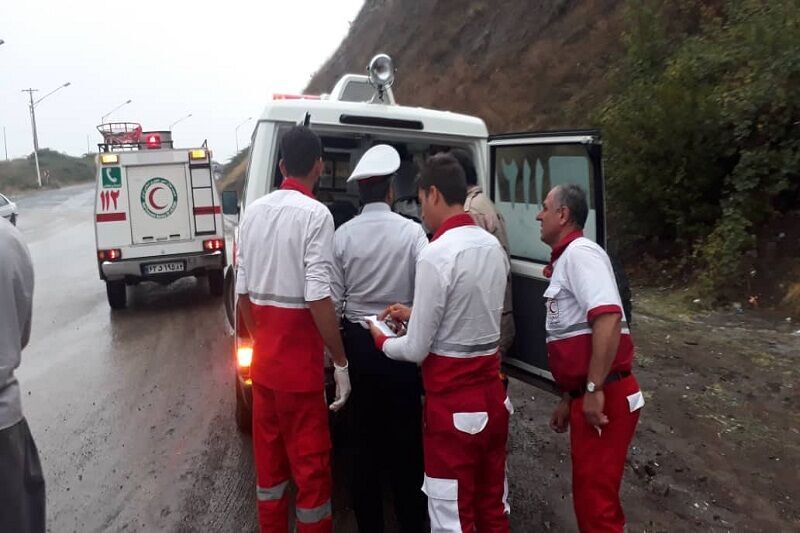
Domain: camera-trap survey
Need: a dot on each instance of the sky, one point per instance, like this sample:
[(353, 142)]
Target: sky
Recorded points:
[(220, 61)]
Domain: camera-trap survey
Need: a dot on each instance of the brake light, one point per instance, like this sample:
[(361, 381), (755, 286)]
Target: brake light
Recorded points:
[(109, 255), (244, 356), (213, 245), (153, 141)]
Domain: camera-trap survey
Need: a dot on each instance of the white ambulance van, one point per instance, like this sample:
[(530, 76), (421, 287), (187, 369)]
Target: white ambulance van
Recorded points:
[(157, 212), (516, 170)]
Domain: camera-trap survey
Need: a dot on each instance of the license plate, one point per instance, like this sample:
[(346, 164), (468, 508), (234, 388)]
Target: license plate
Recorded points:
[(164, 268)]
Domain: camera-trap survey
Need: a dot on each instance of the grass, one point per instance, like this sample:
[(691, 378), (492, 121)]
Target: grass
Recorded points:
[(57, 169)]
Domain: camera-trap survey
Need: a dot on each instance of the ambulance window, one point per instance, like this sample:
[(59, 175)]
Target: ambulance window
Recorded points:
[(522, 177)]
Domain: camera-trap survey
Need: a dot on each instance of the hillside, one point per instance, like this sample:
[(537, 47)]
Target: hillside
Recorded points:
[(57, 169), (518, 65), (698, 103)]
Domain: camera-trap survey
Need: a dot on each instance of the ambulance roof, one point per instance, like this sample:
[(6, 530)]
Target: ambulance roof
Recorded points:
[(326, 112)]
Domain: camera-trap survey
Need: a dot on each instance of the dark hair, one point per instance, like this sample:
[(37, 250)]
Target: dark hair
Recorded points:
[(465, 160), (574, 197), (374, 189), (300, 149), (445, 173)]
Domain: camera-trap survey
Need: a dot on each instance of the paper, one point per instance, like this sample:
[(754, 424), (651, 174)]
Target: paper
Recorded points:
[(381, 325)]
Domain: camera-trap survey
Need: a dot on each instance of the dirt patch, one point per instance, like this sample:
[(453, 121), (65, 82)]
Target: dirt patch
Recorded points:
[(718, 444)]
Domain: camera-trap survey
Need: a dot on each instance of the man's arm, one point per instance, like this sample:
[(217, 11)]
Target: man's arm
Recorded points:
[(337, 272), (328, 325), (606, 330), (429, 303), (318, 266)]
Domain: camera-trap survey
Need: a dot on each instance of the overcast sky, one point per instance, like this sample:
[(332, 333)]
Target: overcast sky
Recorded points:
[(219, 61)]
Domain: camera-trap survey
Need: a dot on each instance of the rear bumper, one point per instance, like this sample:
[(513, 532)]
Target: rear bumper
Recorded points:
[(131, 270)]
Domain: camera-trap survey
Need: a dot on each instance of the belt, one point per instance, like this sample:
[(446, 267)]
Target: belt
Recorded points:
[(614, 376)]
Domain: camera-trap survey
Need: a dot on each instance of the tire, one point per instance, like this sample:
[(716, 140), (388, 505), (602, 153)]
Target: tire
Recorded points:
[(216, 282), (117, 294), (244, 416)]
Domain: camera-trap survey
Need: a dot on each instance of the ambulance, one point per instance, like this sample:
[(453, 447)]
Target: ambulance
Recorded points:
[(157, 212), (516, 170)]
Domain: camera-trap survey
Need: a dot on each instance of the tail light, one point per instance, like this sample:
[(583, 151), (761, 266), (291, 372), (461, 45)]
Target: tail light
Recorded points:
[(244, 357), (153, 141), (109, 255), (212, 245)]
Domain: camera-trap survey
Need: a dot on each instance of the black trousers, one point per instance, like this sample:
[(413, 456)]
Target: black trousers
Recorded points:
[(22, 497), (387, 435)]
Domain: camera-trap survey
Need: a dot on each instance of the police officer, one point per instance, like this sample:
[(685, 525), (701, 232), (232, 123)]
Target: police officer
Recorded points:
[(283, 282), (374, 265), (590, 354), (454, 334)]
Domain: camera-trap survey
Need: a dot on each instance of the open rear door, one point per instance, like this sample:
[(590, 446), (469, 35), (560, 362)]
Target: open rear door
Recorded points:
[(523, 167)]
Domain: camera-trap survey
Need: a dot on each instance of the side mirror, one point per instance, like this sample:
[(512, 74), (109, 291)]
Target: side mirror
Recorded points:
[(230, 203)]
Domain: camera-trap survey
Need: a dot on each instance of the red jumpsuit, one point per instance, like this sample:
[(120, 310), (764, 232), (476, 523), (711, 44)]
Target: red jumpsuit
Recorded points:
[(454, 332), (583, 287), (284, 262)]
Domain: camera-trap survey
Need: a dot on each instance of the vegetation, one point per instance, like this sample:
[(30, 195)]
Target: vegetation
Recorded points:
[(57, 169), (703, 133)]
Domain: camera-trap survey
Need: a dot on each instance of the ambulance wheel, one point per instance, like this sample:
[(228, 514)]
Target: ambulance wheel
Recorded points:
[(216, 282), (117, 294), (244, 416)]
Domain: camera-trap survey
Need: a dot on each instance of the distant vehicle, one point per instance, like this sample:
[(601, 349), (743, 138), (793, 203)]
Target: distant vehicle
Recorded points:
[(8, 209), (516, 170), (157, 212)]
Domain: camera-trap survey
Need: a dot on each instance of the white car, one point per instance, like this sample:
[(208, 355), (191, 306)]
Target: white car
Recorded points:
[(8, 209)]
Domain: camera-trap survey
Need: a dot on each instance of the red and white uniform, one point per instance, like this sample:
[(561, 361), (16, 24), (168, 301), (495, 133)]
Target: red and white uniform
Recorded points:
[(583, 287), (284, 262), (454, 333)]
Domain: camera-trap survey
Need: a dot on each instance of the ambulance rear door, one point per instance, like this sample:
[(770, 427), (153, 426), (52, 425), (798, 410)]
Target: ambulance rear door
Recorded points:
[(523, 167), (159, 203)]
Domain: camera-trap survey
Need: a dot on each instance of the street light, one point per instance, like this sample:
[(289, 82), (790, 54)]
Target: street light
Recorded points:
[(245, 121), (179, 120), (32, 107), (103, 117)]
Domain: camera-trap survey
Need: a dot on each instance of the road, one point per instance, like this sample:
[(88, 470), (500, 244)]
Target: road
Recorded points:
[(131, 411)]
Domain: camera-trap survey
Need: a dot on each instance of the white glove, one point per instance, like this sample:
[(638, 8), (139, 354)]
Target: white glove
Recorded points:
[(342, 378)]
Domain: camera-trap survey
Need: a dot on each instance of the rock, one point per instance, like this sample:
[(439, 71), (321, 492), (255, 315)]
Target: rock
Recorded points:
[(650, 469), (660, 488)]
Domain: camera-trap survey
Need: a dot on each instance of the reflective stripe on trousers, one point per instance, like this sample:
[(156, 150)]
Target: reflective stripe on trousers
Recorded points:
[(315, 514), (276, 492)]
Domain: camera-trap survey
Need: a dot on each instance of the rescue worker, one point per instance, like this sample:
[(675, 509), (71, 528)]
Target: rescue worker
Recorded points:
[(590, 354), (454, 334), (283, 282), (374, 262), (480, 206), (22, 494)]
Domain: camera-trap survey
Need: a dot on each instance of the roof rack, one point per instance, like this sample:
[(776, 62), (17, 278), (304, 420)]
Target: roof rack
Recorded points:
[(128, 136)]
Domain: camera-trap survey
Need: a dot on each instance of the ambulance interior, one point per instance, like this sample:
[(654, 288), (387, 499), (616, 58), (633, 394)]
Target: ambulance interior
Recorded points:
[(341, 153)]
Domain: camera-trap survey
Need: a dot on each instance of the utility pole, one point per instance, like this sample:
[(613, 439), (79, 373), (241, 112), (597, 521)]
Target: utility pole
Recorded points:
[(35, 137)]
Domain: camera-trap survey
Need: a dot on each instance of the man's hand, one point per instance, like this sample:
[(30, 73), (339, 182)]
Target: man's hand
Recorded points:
[(342, 378), (376, 333), (559, 422), (398, 312), (593, 403)]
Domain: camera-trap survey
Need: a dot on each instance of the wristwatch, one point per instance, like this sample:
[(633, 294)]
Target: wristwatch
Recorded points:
[(591, 387)]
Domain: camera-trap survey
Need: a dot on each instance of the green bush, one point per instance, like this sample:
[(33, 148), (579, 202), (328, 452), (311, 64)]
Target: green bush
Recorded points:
[(704, 133)]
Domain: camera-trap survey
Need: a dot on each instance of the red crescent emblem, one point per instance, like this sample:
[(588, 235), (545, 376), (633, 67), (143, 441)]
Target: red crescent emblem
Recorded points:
[(152, 200)]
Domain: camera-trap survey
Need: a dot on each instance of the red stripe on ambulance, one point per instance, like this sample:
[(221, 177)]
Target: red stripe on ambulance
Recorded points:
[(111, 217)]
